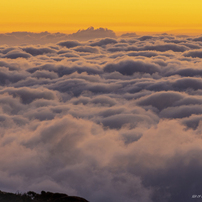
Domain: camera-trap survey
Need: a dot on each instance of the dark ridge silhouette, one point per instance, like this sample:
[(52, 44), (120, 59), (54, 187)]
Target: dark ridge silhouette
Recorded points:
[(43, 197)]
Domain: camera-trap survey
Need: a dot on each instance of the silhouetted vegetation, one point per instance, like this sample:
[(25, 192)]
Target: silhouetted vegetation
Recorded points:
[(43, 197)]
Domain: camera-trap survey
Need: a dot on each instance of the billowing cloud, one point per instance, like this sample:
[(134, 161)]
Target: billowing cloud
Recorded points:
[(16, 54), (160, 48), (131, 34), (130, 67), (92, 33), (87, 49), (69, 44), (109, 119), (194, 54), (38, 51), (143, 38), (143, 53), (166, 47), (103, 42), (198, 38), (18, 38)]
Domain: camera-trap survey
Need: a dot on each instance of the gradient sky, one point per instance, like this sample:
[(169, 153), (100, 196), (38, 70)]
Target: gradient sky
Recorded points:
[(120, 15)]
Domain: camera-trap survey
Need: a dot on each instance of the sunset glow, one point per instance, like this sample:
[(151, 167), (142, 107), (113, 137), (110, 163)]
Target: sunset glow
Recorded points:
[(101, 100), (120, 16)]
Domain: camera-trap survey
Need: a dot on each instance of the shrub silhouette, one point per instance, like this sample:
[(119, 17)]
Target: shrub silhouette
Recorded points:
[(43, 197)]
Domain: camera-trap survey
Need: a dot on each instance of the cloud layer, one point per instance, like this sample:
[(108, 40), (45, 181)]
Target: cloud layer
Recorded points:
[(20, 38), (111, 119)]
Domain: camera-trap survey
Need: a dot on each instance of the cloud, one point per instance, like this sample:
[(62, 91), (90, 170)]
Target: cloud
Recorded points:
[(130, 67), (7, 76), (44, 74), (177, 41), (91, 33), (87, 49), (132, 34), (104, 42), (188, 83), (121, 116), (62, 70), (143, 53), (27, 95), (18, 38), (16, 54), (188, 72), (69, 44), (166, 47), (143, 38), (6, 50), (197, 39), (181, 111), (160, 100), (128, 120), (193, 54), (11, 67), (192, 121), (160, 48), (39, 51)]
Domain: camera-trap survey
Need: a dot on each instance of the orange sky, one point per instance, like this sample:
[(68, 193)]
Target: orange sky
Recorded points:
[(119, 15)]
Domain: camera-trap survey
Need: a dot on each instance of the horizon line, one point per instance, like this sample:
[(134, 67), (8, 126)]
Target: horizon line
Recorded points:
[(179, 31)]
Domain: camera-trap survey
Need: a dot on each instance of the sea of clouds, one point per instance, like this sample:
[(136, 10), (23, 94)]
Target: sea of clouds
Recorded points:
[(110, 119)]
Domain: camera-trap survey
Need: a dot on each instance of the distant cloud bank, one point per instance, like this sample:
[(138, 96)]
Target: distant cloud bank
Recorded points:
[(20, 38), (108, 118)]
